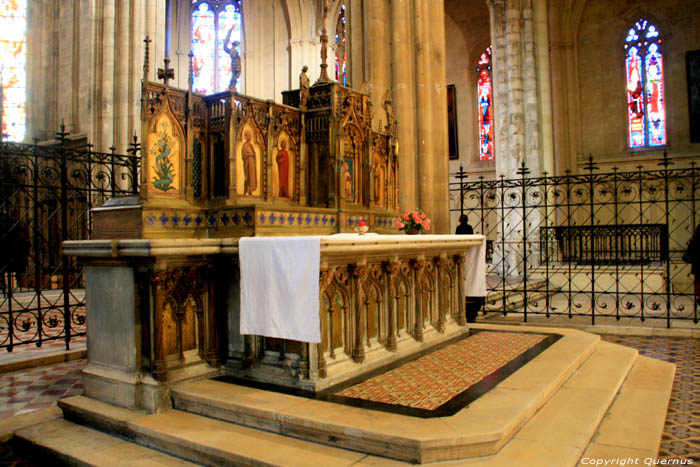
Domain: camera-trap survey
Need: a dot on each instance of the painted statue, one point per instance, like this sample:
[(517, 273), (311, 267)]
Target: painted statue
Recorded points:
[(249, 165), (347, 177), (283, 169), (232, 50), (304, 84)]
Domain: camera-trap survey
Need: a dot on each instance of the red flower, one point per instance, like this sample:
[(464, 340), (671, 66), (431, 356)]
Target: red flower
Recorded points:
[(361, 223)]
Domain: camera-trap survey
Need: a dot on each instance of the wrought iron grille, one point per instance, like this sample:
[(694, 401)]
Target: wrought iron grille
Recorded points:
[(46, 193), (591, 246)]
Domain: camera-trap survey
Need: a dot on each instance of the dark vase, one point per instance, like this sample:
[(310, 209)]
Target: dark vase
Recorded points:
[(413, 231)]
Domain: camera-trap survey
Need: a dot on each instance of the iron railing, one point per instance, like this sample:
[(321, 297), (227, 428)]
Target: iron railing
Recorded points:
[(46, 193), (599, 247)]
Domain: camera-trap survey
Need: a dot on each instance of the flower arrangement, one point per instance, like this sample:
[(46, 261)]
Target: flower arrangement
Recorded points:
[(413, 222), (361, 227)]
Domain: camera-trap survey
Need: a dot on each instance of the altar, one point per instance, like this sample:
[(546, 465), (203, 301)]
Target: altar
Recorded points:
[(168, 310)]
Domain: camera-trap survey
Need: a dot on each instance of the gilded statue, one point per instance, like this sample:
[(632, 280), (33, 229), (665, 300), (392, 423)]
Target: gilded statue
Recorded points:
[(304, 84)]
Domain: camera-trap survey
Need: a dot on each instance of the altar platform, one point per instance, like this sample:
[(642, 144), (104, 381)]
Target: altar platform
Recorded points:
[(580, 398)]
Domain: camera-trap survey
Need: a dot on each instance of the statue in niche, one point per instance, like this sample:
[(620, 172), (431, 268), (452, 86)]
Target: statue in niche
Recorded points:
[(283, 169), (347, 179), (378, 174), (304, 84), (232, 50), (249, 165)]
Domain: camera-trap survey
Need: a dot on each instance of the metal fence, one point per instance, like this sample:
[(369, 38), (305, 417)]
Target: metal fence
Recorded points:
[(46, 193), (599, 247)]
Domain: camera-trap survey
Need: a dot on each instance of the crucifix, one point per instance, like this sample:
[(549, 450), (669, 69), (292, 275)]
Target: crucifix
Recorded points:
[(166, 73)]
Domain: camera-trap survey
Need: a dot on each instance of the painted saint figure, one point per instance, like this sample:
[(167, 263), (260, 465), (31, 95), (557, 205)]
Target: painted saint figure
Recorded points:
[(283, 170), (347, 176), (249, 165)]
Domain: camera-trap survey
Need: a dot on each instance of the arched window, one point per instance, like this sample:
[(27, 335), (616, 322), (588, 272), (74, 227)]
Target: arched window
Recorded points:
[(484, 95), (216, 39), (13, 58), (341, 55), (646, 111)]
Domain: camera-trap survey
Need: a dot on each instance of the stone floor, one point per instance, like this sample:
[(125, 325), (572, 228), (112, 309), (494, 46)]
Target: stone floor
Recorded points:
[(27, 390)]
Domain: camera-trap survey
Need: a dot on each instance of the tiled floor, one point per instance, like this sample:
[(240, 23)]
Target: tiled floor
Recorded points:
[(681, 438), (430, 381), (39, 388), (28, 390)]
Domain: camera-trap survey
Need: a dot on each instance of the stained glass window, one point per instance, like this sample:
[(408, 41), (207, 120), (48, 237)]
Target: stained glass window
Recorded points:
[(216, 26), (484, 93), (13, 58), (341, 55), (646, 109)]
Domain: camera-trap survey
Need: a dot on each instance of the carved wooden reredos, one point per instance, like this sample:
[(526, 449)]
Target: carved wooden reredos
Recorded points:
[(232, 165)]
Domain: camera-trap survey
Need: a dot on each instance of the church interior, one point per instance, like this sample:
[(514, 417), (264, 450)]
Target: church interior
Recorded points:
[(182, 180)]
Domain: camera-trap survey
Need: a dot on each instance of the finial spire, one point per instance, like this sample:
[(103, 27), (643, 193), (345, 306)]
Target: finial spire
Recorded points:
[(324, 48), (146, 57)]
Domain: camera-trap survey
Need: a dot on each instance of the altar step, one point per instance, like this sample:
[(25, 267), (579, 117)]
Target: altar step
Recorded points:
[(579, 397)]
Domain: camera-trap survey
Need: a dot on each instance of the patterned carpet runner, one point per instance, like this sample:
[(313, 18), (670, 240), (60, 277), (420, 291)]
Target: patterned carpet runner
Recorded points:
[(432, 380)]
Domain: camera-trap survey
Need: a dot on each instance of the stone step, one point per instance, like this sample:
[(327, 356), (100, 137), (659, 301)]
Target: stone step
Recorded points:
[(549, 409), (626, 430), (479, 429), (73, 444), (562, 429)]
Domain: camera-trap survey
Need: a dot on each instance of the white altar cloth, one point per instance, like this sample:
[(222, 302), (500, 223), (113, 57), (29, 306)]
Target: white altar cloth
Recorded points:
[(279, 287), (279, 279)]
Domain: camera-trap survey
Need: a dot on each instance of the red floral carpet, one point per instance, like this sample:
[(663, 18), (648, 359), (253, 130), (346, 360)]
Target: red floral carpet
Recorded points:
[(430, 381)]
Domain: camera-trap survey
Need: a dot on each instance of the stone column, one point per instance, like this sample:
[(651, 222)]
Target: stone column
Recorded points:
[(378, 55), (499, 81), (544, 85), (438, 202), (136, 48), (515, 93), (532, 120), (424, 149), (106, 83), (403, 98), (121, 78)]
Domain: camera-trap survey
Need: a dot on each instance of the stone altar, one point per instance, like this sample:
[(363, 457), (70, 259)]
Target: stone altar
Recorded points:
[(164, 310)]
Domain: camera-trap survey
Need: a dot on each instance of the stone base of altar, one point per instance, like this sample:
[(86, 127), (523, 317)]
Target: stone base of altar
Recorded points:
[(579, 397)]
